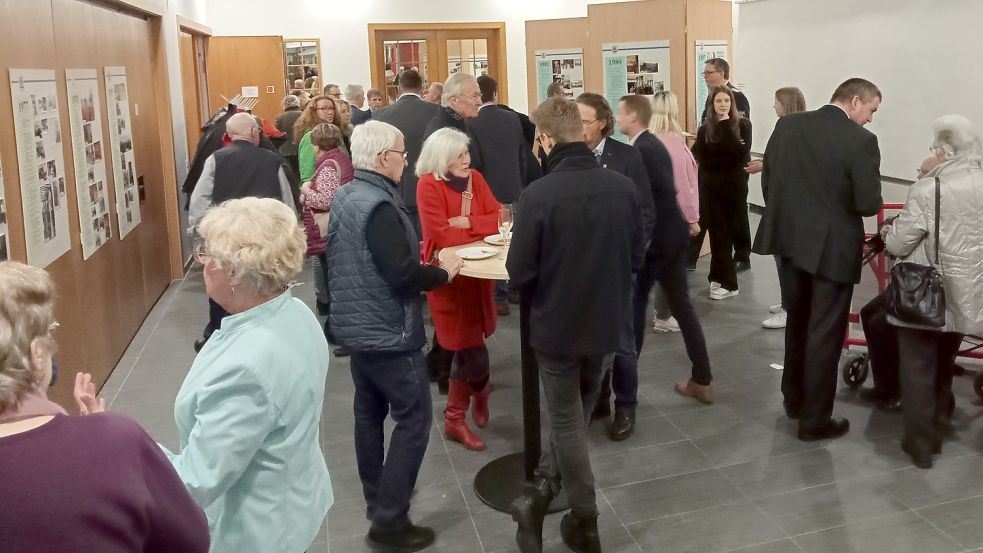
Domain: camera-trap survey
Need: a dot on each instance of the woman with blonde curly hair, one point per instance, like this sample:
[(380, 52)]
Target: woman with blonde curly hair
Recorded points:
[(71, 484), (249, 409), (321, 109)]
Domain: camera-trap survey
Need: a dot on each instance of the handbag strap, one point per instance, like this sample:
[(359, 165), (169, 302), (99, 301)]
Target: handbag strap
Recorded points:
[(466, 199), (938, 214)]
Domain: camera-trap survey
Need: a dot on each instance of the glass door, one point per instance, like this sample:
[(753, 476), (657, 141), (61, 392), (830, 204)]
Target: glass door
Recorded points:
[(471, 51)]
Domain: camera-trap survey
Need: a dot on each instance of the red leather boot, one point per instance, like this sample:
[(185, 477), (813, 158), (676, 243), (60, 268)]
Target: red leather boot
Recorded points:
[(455, 425), (479, 409)]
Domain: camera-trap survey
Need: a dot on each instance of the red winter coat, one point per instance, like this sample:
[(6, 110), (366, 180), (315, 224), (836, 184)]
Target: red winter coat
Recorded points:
[(463, 311)]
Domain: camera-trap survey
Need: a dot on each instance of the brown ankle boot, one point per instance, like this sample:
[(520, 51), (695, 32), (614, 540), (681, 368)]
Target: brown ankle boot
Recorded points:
[(696, 391), (455, 425), (479, 409)]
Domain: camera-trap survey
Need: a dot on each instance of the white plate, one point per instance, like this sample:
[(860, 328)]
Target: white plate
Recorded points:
[(495, 240), (476, 253)]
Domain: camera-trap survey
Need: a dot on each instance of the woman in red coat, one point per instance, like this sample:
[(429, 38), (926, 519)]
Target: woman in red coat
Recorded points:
[(463, 311)]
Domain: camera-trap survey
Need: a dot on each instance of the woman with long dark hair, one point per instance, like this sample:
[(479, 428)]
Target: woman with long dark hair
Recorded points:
[(722, 149)]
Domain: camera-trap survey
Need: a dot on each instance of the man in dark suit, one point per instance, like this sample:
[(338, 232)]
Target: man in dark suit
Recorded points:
[(459, 104), (355, 94), (499, 152), (411, 115), (716, 73), (598, 121), (821, 177), (665, 263), (577, 212)]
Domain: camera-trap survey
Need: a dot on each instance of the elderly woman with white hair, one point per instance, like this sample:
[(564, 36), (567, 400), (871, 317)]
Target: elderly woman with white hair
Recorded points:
[(376, 280), (249, 410), (926, 354), (72, 484), (457, 207), (284, 123)]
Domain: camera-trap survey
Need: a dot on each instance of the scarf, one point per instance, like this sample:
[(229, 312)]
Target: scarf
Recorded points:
[(457, 184)]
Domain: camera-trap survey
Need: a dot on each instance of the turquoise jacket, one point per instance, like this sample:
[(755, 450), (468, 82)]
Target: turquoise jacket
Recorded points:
[(248, 416)]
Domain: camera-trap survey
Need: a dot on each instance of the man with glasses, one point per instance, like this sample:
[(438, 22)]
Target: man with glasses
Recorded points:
[(717, 73), (239, 170)]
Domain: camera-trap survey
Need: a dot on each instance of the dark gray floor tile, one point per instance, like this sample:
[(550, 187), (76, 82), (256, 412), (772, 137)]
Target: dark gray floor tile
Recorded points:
[(654, 499), (748, 442), (779, 546), (960, 520), (709, 531), (948, 481), (648, 463), (902, 533), (774, 475)]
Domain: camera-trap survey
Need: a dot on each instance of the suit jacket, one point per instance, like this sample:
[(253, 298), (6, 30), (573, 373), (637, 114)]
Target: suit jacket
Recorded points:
[(821, 177), (443, 118), (359, 116), (411, 115), (671, 230), (498, 151), (622, 158), (528, 127)]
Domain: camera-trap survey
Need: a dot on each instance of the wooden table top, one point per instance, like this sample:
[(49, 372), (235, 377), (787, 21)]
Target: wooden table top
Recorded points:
[(492, 268)]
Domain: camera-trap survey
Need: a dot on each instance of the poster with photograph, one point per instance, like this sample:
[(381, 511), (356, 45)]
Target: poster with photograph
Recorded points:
[(634, 68), (560, 66), (34, 95), (85, 116), (121, 145), (705, 50), (4, 242)]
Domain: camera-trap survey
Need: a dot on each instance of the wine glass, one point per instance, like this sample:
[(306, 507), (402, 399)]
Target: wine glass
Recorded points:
[(505, 225)]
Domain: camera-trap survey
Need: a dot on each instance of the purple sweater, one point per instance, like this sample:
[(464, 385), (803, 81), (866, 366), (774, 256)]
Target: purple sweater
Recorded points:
[(97, 483)]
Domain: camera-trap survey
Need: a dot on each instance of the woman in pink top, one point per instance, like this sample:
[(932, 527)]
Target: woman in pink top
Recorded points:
[(665, 125)]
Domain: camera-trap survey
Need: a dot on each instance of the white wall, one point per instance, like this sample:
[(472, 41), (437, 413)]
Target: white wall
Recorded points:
[(343, 27)]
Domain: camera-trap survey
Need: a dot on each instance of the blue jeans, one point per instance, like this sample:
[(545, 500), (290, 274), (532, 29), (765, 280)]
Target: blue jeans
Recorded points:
[(394, 384)]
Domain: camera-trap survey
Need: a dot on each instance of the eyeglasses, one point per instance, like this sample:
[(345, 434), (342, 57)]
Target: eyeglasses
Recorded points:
[(540, 137), (937, 150), (710, 72), (588, 121), (403, 153), (327, 108), (200, 255)]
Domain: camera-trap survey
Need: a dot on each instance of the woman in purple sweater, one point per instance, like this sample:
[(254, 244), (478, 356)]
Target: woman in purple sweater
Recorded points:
[(70, 484)]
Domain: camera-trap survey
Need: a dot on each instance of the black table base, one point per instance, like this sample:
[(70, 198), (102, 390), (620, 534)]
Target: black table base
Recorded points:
[(502, 480)]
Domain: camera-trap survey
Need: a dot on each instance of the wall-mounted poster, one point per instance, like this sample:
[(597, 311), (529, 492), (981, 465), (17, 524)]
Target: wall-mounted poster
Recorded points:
[(634, 68), (4, 243), (34, 95), (121, 144), (705, 50), (563, 66), (85, 116)]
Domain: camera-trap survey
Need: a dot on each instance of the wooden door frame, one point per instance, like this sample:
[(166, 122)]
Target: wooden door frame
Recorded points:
[(320, 68), (375, 40)]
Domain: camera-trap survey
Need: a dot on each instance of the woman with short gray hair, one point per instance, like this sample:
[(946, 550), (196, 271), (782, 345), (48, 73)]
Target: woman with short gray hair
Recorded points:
[(456, 208), (926, 355), (102, 478), (249, 410), (284, 123)]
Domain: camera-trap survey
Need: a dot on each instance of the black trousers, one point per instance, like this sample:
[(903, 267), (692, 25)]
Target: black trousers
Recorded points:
[(817, 324), (882, 346), (215, 315), (742, 228), (786, 281), (722, 205), (439, 360), (926, 359)]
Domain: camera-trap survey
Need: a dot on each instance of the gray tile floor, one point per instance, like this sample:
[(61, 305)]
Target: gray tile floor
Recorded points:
[(693, 478)]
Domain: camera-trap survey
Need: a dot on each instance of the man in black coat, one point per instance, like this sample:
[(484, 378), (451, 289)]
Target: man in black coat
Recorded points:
[(578, 239), (459, 104), (411, 115), (665, 263), (821, 177), (598, 121)]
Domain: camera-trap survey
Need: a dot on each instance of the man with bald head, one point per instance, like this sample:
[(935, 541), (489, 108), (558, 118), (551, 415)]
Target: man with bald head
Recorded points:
[(239, 170)]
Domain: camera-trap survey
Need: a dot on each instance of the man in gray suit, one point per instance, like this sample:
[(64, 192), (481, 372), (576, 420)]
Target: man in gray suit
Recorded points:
[(411, 115)]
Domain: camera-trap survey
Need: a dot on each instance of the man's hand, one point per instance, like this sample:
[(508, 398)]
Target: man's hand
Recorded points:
[(450, 262), (754, 166), (694, 229), (459, 222)]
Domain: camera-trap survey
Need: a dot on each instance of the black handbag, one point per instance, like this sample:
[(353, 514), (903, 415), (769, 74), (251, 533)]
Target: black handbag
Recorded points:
[(919, 297)]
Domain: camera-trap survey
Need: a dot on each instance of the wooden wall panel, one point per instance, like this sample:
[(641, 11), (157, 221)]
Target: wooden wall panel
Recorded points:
[(649, 20), (101, 301), (553, 34), (705, 20), (238, 61)]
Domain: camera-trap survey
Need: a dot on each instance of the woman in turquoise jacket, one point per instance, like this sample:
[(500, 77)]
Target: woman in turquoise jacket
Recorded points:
[(249, 409)]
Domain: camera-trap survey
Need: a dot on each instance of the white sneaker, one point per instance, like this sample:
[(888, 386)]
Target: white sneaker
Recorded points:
[(714, 285), (664, 326), (773, 309), (778, 320), (722, 293)]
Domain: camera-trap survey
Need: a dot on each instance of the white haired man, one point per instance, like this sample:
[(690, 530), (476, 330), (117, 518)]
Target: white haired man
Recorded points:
[(434, 93), (355, 94), (376, 280), (240, 170)]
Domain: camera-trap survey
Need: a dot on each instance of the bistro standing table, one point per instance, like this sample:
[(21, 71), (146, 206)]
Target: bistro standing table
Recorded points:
[(502, 480)]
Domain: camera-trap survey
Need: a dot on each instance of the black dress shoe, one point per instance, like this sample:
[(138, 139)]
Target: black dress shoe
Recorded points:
[(742, 266), (405, 540), (528, 511), (833, 429), (342, 351), (791, 411), (199, 343), (920, 460), (580, 534), (891, 405), (601, 411), (623, 425)]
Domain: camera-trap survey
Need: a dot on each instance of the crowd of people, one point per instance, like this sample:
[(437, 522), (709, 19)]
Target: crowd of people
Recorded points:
[(383, 193)]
